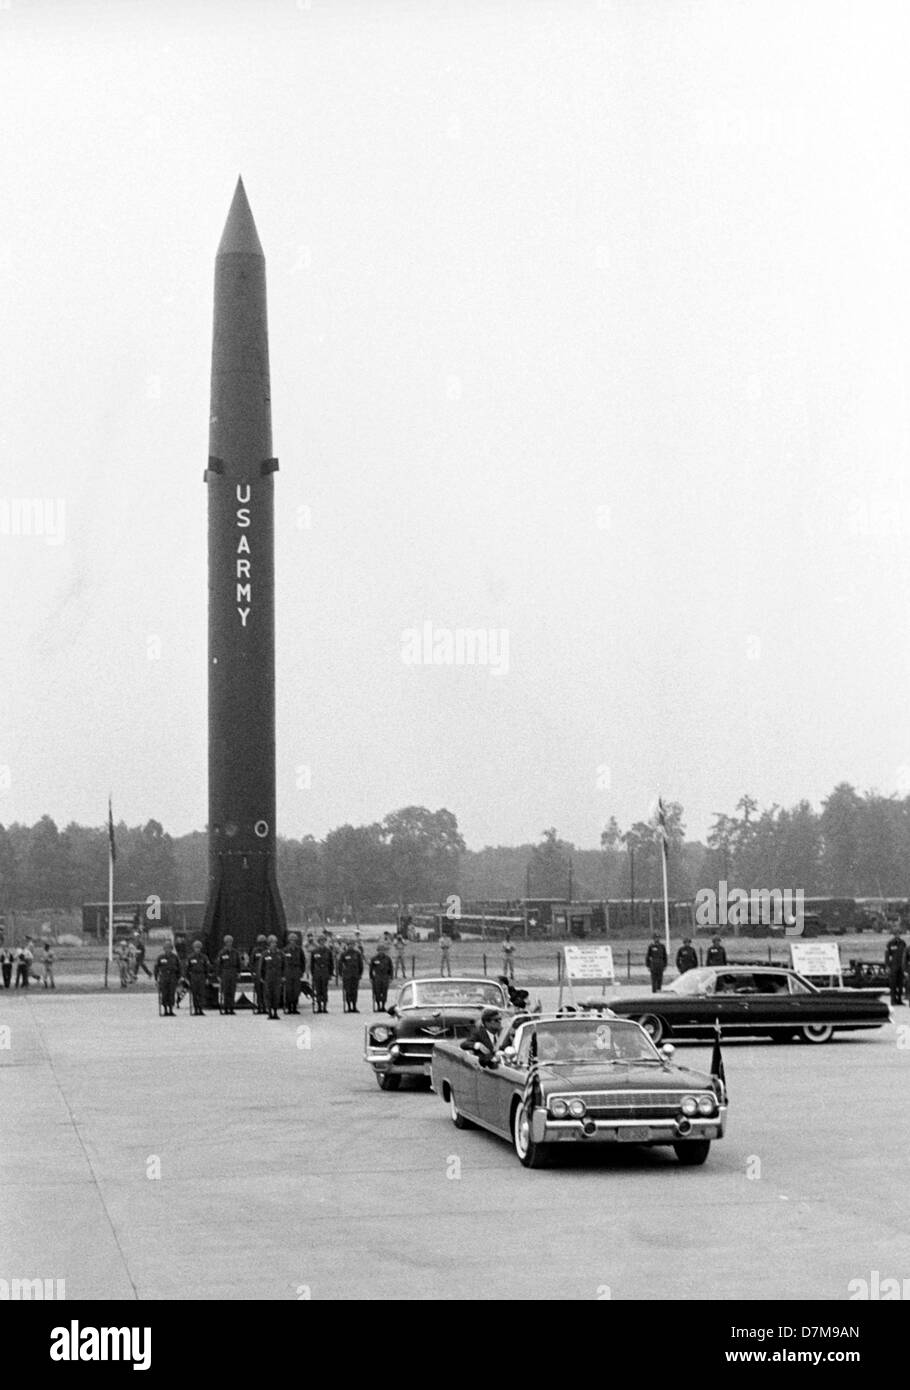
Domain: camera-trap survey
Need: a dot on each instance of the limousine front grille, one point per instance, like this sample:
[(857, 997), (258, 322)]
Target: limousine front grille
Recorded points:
[(631, 1105)]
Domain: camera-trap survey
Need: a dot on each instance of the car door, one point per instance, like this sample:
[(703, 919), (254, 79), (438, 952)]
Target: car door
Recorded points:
[(497, 1085), (772, 1007), (734, 995)]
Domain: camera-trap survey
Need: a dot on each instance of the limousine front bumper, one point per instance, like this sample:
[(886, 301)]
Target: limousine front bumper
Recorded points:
[(659, 1130)]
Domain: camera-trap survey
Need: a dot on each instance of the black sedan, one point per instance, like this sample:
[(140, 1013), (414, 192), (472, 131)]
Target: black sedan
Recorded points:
[(752, 1001)]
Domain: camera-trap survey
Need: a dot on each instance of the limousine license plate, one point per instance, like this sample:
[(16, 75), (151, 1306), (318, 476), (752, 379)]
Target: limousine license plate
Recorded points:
[(639, 1134)]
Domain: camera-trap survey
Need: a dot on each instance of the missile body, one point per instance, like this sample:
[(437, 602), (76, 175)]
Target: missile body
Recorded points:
[(243, 896)]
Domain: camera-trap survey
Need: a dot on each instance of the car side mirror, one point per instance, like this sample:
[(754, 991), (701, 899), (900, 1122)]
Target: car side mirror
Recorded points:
[(667, 1051)]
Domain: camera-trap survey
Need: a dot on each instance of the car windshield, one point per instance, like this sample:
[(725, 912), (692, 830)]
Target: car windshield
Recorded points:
[(454, 993), (593, 1040), (692, 982)]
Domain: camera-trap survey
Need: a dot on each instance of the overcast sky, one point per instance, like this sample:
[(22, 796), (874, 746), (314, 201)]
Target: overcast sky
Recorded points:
[(589, 326)]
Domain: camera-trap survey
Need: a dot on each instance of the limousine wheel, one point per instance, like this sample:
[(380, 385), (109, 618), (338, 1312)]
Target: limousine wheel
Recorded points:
[(531, 1155), (387, 1081), (653, 1026), (818, 1032), (458, 1120), (692, 1152)]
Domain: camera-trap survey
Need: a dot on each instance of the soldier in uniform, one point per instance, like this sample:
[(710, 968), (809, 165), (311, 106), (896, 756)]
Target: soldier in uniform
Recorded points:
[(294, 971), (380, 976), (321, 969), (167, 973), (271, 973), (258, 948), (350, 966), (228, 965), (686, 958), (198, 971), (895, 964), (656, 961), (716, 955)]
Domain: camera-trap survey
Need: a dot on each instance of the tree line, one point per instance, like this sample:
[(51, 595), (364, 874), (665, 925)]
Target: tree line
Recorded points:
[(855, 845)]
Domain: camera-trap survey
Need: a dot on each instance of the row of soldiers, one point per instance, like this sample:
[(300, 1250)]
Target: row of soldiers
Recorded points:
[(278, 972)]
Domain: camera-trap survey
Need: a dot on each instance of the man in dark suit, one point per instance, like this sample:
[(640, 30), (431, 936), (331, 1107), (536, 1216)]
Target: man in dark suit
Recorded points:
[(656, 961), (228, 966), (481, 1041), (686, 958)]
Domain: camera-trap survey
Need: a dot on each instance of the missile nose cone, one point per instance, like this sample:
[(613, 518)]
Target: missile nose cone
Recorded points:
[(240, 233)]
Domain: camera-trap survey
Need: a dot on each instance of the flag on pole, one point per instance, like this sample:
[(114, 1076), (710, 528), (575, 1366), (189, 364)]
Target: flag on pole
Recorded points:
[(662, 828), (531, 1096), (717, 1062), (110, 830), (664, 835)]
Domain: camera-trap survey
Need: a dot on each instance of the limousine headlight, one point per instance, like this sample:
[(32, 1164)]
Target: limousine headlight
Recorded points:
[(707, 1105), (689, 1105), (380, 1034), (577, 1109), (560, 1109)]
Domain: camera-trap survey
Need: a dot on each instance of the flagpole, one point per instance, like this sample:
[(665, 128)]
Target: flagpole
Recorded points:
[(663, 861), (110, 905), (110, 881)]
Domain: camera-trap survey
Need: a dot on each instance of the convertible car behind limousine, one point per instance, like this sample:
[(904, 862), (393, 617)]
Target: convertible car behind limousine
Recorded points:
[(425, 1012), (576, 1080), (752, 1001)]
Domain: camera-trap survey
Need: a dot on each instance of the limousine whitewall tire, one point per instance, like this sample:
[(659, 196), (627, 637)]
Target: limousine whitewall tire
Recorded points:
[(388, 1081), (530, 1155), (817, 1032)]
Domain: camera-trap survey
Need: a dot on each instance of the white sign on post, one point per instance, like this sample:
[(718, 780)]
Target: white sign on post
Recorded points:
[(590, 965), (816, 959)]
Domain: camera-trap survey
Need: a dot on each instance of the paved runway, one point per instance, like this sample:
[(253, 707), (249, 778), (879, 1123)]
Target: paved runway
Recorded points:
[(286, 1173)]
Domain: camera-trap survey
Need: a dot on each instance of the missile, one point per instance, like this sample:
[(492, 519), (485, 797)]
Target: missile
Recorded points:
[(243, 896)]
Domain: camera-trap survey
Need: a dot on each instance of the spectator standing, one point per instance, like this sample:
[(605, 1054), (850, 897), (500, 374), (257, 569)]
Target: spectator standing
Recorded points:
[(24, 960), (656, 961), (896, 964)]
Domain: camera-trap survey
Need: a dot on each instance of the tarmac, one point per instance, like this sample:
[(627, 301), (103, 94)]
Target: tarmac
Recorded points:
[(234, 1158)]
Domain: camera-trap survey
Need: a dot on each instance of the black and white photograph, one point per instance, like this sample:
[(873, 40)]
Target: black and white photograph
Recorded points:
[(455, 559)]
